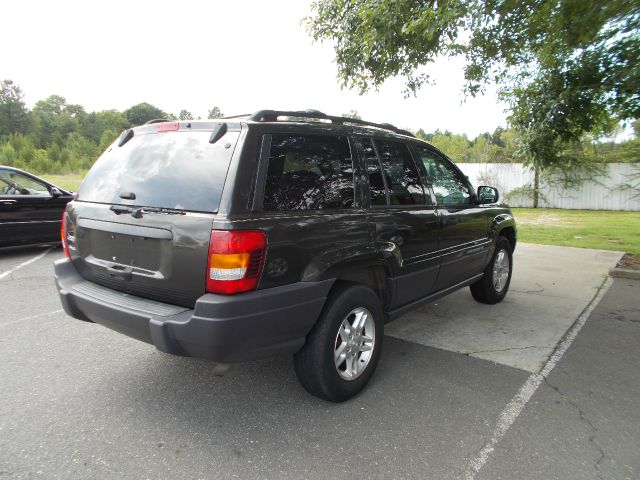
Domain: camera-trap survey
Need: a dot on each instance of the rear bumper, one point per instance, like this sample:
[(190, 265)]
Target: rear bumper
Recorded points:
[(221, 328)]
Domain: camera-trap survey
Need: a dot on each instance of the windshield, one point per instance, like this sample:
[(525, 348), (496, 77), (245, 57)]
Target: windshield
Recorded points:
[(179, 170)]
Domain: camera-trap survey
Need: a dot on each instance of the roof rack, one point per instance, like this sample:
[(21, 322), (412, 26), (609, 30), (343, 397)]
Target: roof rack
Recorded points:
[(157, 120), (272, 116), (242, 115)]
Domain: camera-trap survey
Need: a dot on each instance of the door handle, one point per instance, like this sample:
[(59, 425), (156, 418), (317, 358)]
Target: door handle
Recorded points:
[(8, 202)]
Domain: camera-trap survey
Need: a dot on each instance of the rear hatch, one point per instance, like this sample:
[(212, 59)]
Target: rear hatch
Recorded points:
[(142, 219)]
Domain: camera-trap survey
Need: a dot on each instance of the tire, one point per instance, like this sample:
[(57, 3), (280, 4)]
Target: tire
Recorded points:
[(493, 286), (315, 365)]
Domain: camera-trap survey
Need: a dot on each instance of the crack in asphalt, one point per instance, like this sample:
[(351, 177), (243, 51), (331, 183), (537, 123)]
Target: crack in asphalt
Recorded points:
[(585, 420), (506, 350)]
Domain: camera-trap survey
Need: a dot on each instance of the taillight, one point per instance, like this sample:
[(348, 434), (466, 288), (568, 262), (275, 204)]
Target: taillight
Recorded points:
[(63, 235), (235, 261), (168, 127)]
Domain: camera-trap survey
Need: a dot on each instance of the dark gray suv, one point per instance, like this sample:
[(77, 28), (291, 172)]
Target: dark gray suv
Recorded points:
[(277, 232)]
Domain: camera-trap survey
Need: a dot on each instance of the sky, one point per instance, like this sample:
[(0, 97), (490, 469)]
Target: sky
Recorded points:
[(242, 56)]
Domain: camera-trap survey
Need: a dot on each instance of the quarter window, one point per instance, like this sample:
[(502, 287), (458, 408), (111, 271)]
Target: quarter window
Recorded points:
[(309, 172), (449, 186)]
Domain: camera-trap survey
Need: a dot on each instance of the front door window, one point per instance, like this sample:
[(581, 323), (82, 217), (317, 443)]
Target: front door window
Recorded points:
[(15, 184)]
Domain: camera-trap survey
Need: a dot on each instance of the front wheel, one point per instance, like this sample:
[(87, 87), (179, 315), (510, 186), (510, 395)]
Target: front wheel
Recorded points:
[(343, 348), (493, 286)]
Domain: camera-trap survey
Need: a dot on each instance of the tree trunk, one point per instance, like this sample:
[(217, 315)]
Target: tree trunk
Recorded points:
[(536, 186)]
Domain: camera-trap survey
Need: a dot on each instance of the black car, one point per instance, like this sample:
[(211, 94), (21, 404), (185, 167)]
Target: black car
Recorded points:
[(30, 208), (277, 232)]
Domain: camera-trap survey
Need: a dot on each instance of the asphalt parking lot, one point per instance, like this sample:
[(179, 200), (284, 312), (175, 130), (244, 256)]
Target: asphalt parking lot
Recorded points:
[(544, 385)]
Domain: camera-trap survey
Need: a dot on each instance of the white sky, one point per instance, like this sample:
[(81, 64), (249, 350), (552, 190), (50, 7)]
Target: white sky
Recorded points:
[(242, 56)]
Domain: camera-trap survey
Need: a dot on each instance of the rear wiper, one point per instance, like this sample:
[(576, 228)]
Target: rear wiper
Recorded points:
[(137, 213), (140, 211)]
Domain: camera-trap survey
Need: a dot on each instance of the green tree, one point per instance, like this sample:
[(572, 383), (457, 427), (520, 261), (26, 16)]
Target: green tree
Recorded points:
[(94, 124), (455, 146), (565, 67), (53, 120), (214, 113), (422, 135), (352, 114), (14, 117), (185, 115), (142, 113)]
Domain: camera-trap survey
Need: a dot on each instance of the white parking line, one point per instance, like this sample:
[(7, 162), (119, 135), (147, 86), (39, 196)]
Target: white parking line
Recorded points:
[(23, 319), (522, 397), (24, 264)]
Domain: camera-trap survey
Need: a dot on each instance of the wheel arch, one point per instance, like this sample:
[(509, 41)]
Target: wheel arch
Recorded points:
[(505, 225), (510, 234), (372, 274)]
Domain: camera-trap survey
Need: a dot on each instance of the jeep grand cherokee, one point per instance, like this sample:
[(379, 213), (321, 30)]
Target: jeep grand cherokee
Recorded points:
[(277, 232)]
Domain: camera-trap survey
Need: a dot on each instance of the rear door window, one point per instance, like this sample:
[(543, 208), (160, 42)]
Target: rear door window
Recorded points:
[(309, 172), (180, 170)]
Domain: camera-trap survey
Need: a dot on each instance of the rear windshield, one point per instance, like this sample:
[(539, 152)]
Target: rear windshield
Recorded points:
[(179, 170)]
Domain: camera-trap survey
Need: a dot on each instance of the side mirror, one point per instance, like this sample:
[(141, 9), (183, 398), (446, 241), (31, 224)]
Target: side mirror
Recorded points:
[(487, 195), (55, 192)]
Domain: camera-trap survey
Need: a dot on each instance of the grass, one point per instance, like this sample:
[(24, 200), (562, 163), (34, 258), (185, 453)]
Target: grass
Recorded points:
[(599, 229), (69, 181)]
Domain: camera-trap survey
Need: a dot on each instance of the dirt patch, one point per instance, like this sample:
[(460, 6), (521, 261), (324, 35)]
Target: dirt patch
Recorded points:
[(543, 221), (630, 261)]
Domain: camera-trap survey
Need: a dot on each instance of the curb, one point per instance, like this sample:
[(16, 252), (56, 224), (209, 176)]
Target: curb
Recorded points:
[(625, 273)]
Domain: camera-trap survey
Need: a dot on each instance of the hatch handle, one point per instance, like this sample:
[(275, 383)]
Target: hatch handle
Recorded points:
[(120, 271)]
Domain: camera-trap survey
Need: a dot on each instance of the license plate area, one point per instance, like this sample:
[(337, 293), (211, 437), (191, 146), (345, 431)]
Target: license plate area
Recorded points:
[(141, 253)]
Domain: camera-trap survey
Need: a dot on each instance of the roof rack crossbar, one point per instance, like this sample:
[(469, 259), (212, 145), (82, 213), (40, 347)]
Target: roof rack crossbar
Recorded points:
[(242, 115), (272, 116)]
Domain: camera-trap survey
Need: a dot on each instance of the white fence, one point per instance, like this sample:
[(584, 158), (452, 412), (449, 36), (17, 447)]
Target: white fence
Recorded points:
[(609, 192)]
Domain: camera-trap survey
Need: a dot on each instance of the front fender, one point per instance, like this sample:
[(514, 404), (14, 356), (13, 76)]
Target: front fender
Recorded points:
[(500, 222)]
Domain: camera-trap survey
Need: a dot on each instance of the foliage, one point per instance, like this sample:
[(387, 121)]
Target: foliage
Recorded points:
[(378, 39), (497, 147), (14, 117), (214, 113), (185, 115), (352, 114), (142, 113), (94, 125), (53, 120), (375, 40)]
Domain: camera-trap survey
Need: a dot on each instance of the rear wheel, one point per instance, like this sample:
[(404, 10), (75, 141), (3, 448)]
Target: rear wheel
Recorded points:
[(493, 286), (343, 349)]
